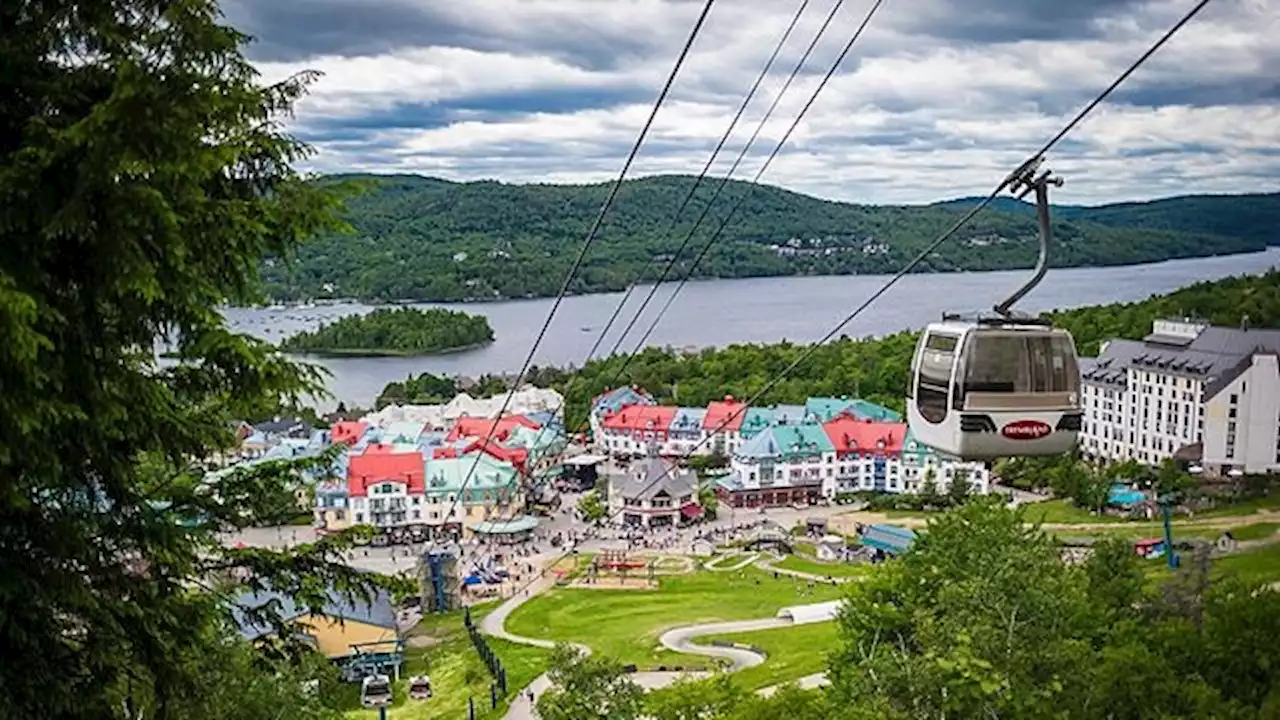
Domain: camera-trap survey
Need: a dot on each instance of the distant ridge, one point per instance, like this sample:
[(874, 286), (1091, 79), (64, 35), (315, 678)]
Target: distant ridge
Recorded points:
[(425, 238)]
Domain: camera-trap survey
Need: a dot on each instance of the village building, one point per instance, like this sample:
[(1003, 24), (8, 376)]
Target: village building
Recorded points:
[(654, 492)]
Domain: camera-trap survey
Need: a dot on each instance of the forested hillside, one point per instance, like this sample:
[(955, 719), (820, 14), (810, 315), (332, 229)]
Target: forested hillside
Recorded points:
[(429, 239), (877, 369), (1253, 217)]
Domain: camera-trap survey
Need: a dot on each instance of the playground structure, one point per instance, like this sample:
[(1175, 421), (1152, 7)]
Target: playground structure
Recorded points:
[(619, 569)]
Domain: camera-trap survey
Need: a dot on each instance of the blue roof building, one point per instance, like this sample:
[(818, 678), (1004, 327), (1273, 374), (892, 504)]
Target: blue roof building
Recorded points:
[(891, 539)]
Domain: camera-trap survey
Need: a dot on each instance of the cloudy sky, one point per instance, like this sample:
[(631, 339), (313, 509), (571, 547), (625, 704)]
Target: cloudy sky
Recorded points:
[(938, 99)]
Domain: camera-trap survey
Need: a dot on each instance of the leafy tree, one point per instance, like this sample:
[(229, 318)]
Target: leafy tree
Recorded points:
[(592, 509), (708, 699), (929, 487), (958, 489), (589, 687), (981, 619), (708, 500), (1170, 478), (143, 177)]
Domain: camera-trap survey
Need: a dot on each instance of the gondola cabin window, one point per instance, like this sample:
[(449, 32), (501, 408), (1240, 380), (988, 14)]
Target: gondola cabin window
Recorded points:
[(1020, 364), (937, 362)]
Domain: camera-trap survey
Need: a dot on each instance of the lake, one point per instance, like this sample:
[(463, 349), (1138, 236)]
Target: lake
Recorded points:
[(721, 312)]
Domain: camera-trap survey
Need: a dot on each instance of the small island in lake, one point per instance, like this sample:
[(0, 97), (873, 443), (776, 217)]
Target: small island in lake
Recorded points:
[(402, 331)]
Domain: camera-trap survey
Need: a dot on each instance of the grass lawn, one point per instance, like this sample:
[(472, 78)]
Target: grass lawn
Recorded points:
[(824, 569), (1258, 565), (626, 624), (1062, 512), (456, 672), (794, 652), (1181, 531), (1248, 507)]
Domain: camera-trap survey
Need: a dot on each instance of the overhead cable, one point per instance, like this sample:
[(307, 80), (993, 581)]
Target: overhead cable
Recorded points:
[(586, 244)]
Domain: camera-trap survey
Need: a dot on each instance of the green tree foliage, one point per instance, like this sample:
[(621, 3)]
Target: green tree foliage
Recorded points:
[(591, 507), (143, 176), (430, 239), (424, 389), (982, 619), (402, 331), (1221, 302), (589, 687)]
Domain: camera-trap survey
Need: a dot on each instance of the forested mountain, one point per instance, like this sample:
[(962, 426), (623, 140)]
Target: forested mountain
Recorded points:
[(1253, 217), (429, 239)]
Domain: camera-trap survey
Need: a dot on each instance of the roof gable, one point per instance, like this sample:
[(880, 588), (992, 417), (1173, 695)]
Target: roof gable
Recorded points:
[(371, 469), (724, 415), (850, 435)]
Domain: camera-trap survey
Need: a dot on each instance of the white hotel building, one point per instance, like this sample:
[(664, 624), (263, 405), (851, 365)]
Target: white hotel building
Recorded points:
[(1209, 394)]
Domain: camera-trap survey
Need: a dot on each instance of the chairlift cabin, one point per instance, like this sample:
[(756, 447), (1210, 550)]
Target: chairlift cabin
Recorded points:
[(375, 690), (984, 388), (997, 389), (420, 687)]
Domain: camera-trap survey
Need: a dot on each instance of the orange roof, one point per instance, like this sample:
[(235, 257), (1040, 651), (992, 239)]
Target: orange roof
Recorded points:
[(479, 427), (348, 432), (640, 417), (727, 412), (365, 470), (851, 435)]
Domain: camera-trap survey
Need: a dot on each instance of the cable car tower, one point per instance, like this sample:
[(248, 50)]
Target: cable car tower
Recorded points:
[(1002, 385)]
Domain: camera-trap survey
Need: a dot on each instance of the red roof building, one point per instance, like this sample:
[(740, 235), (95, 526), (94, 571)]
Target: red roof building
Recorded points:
[(727, 412), (852, 437), (348, 432), (404, 468), (639, 419), (479, 427)]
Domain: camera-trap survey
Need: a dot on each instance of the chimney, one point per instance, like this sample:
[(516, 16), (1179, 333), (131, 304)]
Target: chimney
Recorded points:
[(1244, 323)]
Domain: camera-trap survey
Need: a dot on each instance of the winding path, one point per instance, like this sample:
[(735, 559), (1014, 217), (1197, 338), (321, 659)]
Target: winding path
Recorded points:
[(494, 624), (679, 640)]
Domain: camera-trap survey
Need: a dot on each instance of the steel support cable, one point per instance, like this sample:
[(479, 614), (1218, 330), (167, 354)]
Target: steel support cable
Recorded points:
[(724, 181), (754, 185), (697, 183), (617, 311), (795, 71), (706, 168), (586, 245), (955, 227), (795, 123)]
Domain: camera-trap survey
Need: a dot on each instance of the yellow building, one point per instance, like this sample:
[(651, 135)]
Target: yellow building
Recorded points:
[(360, 636)]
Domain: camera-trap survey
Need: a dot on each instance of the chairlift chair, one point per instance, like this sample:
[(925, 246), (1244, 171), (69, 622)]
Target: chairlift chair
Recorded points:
[(420, 687), (375, 690), (999, 386)]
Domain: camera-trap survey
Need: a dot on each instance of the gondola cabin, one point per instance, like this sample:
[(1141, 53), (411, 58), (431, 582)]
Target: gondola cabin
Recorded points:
[(988, 389)]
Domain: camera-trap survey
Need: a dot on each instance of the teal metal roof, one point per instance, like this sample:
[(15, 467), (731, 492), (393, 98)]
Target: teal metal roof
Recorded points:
[(787, 441), (524, 523), (755, 420)]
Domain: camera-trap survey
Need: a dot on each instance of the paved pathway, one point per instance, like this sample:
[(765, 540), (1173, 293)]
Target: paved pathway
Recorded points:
[(767, 564), (521, 708)]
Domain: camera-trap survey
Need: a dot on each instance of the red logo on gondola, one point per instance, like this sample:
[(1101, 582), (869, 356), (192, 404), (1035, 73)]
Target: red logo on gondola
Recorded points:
[(1026, 430)]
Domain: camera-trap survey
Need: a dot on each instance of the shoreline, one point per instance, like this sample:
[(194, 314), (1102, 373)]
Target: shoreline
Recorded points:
[(377, 353), (494, 300)]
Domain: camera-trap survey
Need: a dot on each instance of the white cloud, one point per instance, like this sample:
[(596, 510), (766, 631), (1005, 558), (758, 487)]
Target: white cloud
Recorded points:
[(930, 104)]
